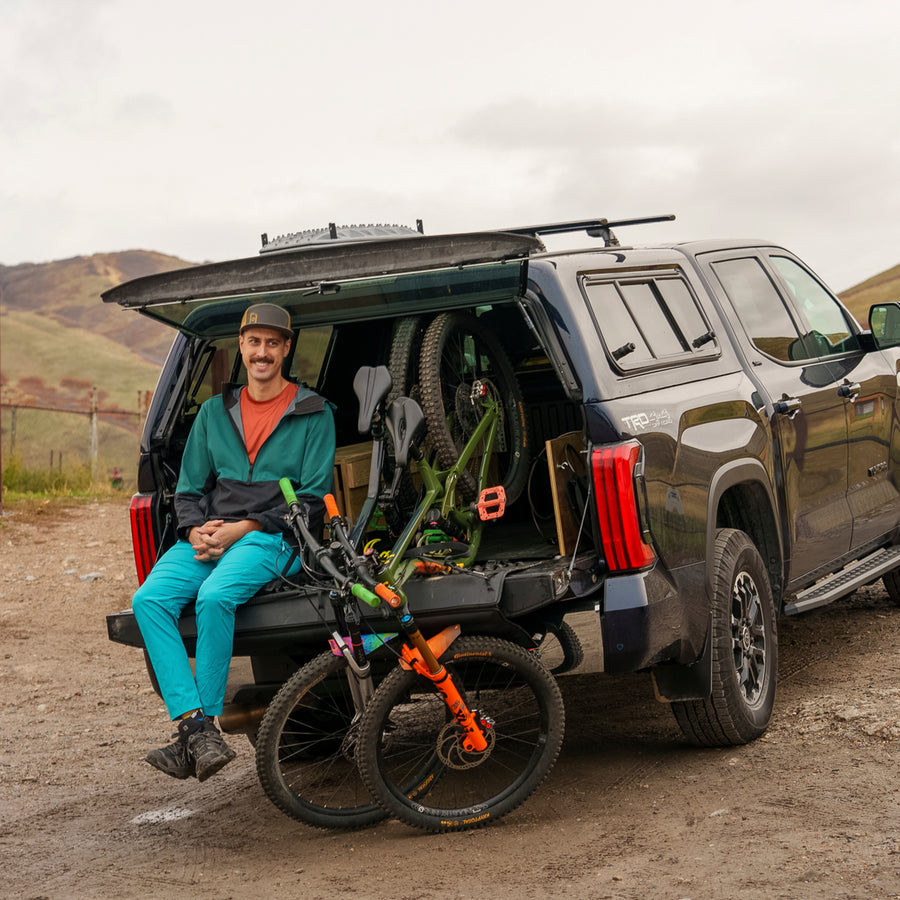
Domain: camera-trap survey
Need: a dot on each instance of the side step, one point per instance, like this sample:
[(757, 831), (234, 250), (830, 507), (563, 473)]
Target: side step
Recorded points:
[(856, 575)]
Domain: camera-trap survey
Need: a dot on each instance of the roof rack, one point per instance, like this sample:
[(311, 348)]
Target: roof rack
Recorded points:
[(599, 228)]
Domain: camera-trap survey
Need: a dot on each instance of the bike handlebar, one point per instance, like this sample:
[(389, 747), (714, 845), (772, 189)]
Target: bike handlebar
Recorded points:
[(367, 583)]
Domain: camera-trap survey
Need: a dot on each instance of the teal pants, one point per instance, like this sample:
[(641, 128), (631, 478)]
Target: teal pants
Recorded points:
[(218, 588)]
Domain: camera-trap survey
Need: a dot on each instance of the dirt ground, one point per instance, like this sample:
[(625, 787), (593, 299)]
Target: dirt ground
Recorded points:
[(811, 810)]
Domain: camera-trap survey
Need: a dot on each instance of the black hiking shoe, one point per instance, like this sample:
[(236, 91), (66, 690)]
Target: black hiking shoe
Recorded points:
[(174, 760), (208, 751)]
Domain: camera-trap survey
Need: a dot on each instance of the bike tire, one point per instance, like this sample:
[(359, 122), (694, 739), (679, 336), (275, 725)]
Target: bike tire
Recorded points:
[(407, 719), (305, 755), (403, 368), (456, 351), (560, 649)]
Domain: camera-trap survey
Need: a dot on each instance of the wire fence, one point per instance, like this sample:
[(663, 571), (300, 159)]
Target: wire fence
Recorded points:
[(103, 440)]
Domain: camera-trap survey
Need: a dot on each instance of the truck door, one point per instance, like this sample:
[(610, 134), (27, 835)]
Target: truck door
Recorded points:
[(809, 419), (868, 386)]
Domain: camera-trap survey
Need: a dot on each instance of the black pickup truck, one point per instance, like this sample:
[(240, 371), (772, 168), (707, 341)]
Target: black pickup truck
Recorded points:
[(706, 440)]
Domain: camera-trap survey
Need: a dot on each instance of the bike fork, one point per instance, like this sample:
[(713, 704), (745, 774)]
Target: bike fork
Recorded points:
[(422, 657)]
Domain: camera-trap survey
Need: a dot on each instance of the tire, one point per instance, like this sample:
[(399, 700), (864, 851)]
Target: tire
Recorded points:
[(404, 360), (305, 749), (744, 650), (407, 720), (456, 351), (891, 581), (559, 650), (403, 367)]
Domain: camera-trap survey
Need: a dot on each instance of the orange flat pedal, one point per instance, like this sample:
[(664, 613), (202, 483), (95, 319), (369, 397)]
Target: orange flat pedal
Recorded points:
[(491, 503)]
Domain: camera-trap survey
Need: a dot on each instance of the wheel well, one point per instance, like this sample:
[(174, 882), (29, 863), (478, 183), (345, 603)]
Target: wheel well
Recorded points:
[(746, 506)]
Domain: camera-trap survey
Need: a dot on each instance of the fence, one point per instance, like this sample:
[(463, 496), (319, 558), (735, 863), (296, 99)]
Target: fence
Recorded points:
[(46, 437)]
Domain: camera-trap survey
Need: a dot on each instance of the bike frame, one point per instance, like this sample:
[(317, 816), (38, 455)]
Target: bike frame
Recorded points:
[(440, 488)]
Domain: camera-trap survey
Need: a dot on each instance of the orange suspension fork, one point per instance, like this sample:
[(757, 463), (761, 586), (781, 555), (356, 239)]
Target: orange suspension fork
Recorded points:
[(422, 657)]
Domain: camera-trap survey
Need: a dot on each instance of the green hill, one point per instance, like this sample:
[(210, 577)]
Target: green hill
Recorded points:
[(68, 292), (59, 340), (878, 289)]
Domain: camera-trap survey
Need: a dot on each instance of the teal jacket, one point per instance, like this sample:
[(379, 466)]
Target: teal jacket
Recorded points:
[(218, 482)]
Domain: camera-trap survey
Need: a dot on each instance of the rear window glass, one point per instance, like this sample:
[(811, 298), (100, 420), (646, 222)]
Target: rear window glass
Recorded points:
[(649, 321)]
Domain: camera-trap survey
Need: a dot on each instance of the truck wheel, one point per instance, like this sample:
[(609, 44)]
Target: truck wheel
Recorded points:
[(744, 650), (891, 581)]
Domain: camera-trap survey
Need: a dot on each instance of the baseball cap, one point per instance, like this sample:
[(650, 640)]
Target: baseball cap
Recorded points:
[(267, 315)]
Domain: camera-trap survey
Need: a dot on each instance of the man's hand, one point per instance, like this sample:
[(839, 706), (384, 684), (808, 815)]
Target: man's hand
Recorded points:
[(214, 537)]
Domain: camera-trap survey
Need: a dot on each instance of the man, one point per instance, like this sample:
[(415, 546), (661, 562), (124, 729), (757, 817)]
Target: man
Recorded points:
[(231, 530)]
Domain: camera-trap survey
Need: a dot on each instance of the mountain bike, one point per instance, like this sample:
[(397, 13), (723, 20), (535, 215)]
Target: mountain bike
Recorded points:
[(330, 733)]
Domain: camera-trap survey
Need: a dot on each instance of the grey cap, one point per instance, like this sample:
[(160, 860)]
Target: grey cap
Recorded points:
[(267, 315)]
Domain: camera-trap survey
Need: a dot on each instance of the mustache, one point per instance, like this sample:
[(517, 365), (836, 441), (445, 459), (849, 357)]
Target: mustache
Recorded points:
[(262, 359)]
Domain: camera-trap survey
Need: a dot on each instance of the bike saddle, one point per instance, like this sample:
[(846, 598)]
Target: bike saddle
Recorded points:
[(371, 386), (405, 423)]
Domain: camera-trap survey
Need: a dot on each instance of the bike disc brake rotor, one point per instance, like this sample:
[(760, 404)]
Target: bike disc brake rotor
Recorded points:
[(451, 752)]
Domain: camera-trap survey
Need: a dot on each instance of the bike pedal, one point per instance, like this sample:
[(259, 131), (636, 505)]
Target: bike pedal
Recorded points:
[(491, 503)]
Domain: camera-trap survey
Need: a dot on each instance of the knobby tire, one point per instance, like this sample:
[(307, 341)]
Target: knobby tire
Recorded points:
[(407, 718), (304, 757)]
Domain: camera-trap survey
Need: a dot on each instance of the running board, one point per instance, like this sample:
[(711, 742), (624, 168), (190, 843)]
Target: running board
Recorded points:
[(856, 575)]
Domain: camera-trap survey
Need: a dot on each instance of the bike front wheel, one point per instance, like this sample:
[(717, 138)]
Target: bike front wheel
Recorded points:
[(306, 749), (407, 731)]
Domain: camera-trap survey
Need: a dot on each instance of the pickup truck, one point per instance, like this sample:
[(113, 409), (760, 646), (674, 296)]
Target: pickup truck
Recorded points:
[(707, 440)]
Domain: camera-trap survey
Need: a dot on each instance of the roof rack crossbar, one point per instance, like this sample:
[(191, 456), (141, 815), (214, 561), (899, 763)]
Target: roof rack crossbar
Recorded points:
[(600, 228)]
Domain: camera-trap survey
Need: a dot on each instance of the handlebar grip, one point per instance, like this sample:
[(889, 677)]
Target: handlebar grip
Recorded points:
[(365, 595), (331, 507), (390, 597), (288, 490)]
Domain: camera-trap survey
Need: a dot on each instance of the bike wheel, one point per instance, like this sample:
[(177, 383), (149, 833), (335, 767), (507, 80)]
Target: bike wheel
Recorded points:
[(403, 368), (407, 729), (457, 351), (306, 747), (559, 649)]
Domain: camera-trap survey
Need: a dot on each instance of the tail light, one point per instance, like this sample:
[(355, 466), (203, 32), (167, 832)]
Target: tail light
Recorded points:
[(613, 468), (142, 538)]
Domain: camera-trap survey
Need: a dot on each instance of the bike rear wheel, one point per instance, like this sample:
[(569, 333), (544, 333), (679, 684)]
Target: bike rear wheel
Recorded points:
[(407, 730), (457, 351), (306, 747)]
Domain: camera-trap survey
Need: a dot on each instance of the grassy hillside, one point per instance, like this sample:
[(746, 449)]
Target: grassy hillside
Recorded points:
[(57, 340), (68, 292), (880, 288), (72, 360)]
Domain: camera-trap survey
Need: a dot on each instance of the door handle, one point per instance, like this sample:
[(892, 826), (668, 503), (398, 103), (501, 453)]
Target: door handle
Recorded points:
[(788, 406), (848, 390)]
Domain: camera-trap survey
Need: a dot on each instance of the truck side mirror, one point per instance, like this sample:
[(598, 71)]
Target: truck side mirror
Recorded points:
[(884, 320)]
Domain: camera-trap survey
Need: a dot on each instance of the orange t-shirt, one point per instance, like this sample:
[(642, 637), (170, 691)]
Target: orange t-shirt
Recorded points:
[(260, 417)]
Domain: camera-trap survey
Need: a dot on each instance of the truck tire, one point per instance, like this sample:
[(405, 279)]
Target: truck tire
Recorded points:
[(891, 581), (744, 650)]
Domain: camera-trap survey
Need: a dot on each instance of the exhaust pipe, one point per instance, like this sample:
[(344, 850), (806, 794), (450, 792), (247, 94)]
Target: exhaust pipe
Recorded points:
[(240, 718)]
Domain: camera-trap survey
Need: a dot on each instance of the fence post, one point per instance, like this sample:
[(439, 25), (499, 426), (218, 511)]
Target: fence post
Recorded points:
[(12, 433), (94, 443)]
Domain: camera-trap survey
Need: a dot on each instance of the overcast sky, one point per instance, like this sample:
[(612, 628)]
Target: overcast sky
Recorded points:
[(192, 127)]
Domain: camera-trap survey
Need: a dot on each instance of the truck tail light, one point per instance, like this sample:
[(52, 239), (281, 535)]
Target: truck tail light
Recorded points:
[(612, 468), (142, 538)]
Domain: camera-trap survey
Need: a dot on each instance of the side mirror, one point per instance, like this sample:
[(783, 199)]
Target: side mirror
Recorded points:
[(884, 320)]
